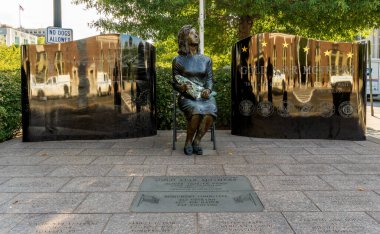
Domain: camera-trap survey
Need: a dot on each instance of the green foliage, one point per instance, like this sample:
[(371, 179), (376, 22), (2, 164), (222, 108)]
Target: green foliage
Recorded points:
[(165, 101), (166, 50), (41, 40), (222, 85), (10, 91), (10, 99), (10, 57), (158, 20)]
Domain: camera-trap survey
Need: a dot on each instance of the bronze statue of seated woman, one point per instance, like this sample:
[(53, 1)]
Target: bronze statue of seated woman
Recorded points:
[(192, 73)]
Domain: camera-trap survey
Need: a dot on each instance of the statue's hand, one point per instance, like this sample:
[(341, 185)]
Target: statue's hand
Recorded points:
[(185, 87), (205, 93)]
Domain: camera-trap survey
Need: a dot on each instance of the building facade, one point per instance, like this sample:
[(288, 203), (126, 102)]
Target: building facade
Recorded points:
[(39, 32), (16, 37)]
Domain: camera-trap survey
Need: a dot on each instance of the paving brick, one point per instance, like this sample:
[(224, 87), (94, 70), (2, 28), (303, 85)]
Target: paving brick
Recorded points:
[(308, 169), (104, 152), (298, 183), (286, 201), (63, 160), (265, 222), (358, 169), (33, 184), (334, 151), (270, 159), (97, 184), (112, 202), (126, 160), (138, 170), (26, 171), (331, 222), (39, 203), (62, 223), (220, 159), (345, 200), (284, 150), (152, 223), (320, 159), (363, 158), (26, 161), (252, 169), (353, 182), (9, 221), (79, 170), (167, 160)]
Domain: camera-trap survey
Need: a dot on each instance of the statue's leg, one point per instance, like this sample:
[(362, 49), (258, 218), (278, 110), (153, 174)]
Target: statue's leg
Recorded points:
[(205, 124), (192, 127)]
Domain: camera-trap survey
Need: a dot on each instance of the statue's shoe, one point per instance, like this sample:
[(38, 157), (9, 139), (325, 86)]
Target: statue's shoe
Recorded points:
[(197, 150), (188, 150)]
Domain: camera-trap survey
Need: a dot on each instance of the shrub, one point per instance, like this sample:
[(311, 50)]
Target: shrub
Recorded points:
[(10, 99), (222, 85)]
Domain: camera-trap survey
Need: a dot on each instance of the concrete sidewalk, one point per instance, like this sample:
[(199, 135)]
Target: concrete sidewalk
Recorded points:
[(306, 186)]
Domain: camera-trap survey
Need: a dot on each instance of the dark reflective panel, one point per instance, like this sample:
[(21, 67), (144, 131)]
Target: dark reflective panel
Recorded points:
[(99, 87), (285, 86)]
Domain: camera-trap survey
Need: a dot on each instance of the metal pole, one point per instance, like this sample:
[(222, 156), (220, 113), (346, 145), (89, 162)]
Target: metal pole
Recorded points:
[(201, 26), (370, 77), (19, 16), (57, 14)]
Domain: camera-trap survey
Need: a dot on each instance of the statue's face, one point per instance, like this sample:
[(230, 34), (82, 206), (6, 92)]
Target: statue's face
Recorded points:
[(193, 38)]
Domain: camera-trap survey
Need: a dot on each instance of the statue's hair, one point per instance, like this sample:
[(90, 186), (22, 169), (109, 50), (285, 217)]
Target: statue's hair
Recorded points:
[(183, 34)]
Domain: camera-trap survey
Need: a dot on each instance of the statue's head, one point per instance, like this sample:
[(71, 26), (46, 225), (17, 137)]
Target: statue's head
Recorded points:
[(187, 37)]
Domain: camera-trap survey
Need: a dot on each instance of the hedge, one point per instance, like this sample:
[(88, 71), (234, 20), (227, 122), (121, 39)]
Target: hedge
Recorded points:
[(10, 99)]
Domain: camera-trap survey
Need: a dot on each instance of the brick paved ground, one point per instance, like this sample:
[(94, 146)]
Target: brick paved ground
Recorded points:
[(306, 186)]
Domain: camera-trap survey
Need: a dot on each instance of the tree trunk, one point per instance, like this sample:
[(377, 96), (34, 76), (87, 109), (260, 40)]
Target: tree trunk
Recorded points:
[(245, 25)]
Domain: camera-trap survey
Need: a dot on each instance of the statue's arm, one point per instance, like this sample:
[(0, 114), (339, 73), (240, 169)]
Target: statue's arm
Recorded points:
[(176, 68), (208, 84)]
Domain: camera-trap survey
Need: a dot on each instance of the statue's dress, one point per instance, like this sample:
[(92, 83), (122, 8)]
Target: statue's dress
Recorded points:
[(198, 69)]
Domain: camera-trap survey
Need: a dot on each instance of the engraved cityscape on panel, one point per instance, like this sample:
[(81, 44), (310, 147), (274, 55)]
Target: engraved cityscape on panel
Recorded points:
[(285, 78), (98, 87)]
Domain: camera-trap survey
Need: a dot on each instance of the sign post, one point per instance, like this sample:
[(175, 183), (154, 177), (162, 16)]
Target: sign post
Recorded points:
[(58, 35), (201, 26)]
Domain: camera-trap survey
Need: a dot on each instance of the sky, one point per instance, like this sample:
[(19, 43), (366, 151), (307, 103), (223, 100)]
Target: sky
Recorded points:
[(39, 14)]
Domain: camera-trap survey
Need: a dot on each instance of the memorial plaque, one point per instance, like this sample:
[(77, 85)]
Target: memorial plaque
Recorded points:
[(196, 194), (195, 183)]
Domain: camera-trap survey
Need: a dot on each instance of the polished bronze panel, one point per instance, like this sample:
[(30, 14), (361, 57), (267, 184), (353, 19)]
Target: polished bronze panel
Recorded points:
[(288, 86), (99, 87)]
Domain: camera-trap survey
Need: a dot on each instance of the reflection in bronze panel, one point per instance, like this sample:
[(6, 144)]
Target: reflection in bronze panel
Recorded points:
[(286, 86), (99, 87)]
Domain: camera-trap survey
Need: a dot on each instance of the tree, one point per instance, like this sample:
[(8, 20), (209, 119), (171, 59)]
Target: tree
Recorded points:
[(228, 21), (10, 57), (41, 40)]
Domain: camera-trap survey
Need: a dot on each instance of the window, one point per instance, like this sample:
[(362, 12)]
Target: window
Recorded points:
[(17, 40)]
